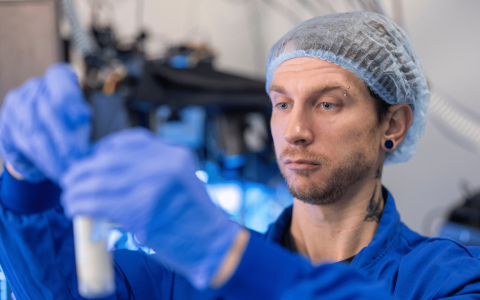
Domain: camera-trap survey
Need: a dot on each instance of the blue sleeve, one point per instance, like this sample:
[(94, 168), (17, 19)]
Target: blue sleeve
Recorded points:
[(440, 269), (267, 271), (37, 249)]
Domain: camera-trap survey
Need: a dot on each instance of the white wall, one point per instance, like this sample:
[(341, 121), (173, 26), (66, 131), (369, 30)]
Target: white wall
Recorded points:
[(26, 48), (444, 33)]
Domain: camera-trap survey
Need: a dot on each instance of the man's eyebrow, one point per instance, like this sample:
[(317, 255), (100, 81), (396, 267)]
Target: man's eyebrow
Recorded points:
[(317, 90), (328, 88), (276, 88)]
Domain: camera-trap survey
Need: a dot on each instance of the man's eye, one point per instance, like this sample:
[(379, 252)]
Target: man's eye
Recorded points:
[(284, 105), (327, 105)]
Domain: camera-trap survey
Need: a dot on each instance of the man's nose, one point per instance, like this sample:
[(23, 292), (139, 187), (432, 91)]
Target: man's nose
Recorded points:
[(298, 130)]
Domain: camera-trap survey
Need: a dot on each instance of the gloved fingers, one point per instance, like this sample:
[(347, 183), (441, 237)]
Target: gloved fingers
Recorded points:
[(17, 101), (135, 139), (65, 113), (100, 192), (62, 82), (150, 188), (116, 154), (126, 169), (112, 172), (115, 163), (140, 151), (64, 97), (14, 116), (107, 197), (47, 121)]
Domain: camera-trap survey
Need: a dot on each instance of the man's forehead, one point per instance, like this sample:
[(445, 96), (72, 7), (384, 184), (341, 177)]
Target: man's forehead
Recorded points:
[(313, 74), (314, 89), (306, 63)]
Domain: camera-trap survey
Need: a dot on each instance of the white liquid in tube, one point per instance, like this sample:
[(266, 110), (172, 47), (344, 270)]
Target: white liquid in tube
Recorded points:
[(96, 278)]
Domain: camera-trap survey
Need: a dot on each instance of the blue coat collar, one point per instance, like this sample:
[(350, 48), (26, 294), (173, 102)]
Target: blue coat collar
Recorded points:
[(389, 226)]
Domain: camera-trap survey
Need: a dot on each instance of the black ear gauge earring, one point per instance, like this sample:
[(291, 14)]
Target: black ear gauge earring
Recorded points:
[(388, 144)]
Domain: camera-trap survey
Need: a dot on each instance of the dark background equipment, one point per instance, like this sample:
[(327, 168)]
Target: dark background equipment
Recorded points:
[(463, 221)]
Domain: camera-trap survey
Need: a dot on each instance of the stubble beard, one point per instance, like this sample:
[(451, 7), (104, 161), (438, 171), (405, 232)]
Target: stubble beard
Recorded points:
[(335, 186)]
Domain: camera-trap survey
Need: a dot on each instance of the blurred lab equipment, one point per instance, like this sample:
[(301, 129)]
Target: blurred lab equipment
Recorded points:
[(463, 220)]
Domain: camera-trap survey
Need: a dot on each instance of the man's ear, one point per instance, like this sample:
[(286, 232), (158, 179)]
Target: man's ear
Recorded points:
[(396, 123)]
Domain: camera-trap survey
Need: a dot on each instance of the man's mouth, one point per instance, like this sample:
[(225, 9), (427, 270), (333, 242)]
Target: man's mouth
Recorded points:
[(301, 164)]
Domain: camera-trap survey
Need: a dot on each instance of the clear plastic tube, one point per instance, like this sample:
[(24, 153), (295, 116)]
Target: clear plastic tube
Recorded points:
[(96, 278)]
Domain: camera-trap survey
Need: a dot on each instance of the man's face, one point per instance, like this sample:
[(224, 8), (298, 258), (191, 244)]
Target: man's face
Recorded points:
[(325, 129)]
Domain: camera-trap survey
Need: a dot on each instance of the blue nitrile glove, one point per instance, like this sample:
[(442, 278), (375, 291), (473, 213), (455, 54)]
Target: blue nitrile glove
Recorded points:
[(151, 189), (45, 124)]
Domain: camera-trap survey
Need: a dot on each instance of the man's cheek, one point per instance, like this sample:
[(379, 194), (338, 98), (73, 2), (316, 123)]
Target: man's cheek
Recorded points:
[(277, 141)]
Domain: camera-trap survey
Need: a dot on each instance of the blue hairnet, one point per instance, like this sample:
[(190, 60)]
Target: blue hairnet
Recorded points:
[(373, 48)]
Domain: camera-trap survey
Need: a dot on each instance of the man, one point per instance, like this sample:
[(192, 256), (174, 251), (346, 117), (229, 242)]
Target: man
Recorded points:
[(329, 80)]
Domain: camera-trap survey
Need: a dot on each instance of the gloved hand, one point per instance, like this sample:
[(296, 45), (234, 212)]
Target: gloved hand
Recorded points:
[(45, 124), (150, 188)]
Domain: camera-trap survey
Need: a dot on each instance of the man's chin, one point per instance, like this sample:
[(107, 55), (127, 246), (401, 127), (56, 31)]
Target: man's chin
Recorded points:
[(328, 185), (306, 183), (308, 193), (316, 192)]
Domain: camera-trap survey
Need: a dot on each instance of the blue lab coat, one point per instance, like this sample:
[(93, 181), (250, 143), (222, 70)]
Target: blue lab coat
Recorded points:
[(37, 256)]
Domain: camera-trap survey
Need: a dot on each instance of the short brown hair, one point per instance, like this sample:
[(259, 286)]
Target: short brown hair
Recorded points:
[(382, 106)]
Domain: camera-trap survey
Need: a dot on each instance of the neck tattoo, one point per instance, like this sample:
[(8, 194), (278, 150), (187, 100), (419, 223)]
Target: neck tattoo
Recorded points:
[(374, 212), (378, 174)]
